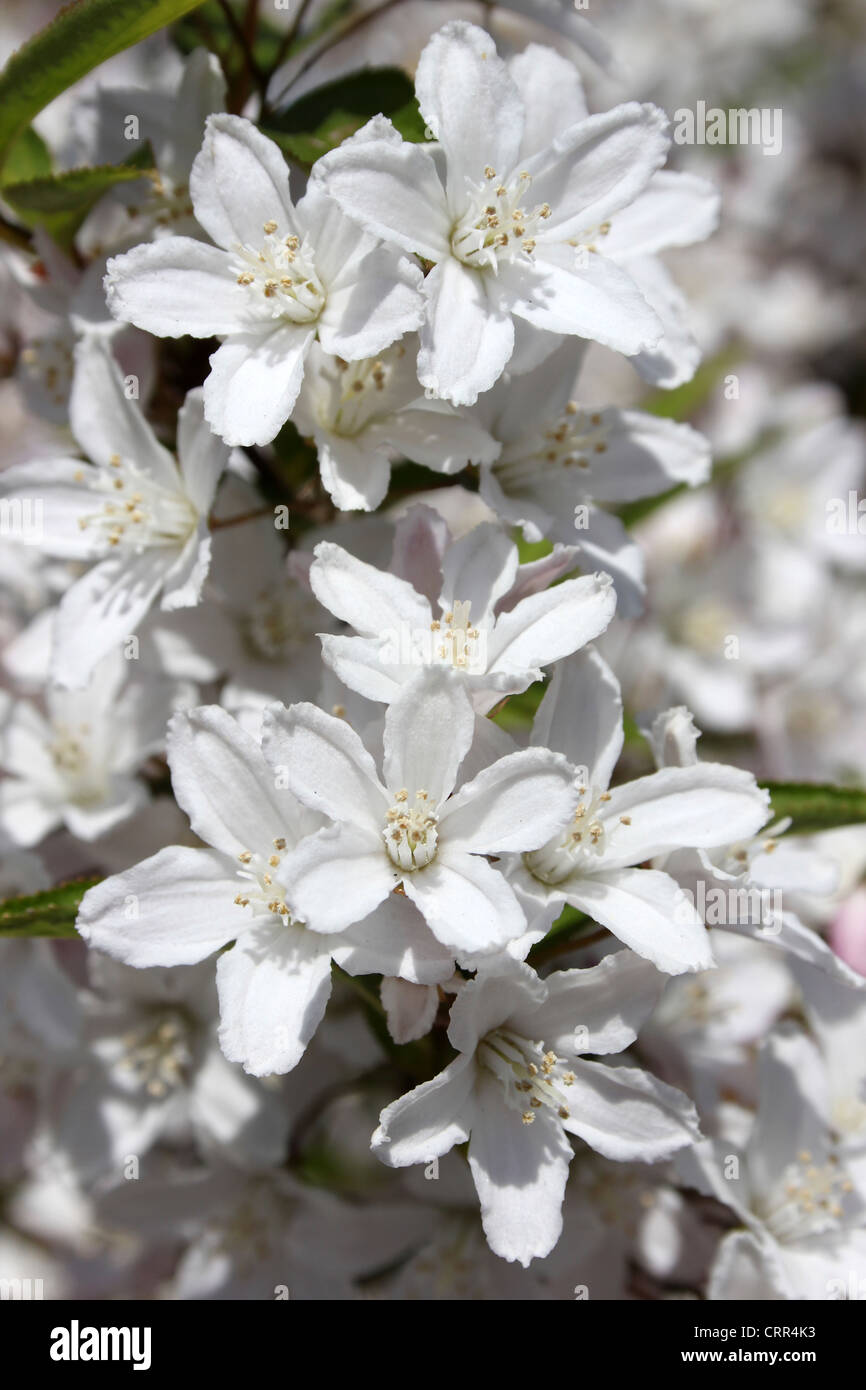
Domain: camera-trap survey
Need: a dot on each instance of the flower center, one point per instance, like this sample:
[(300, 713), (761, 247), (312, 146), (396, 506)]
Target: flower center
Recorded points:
[(279, 622), (705, 625), (458, 644), (531, 1075), (498, 225), (47, 365), (167, 205), (250, 1229), (809, 1200), (578, 849), (571, 442), (70, 753), (159, 1054), (410, 834), (260, 889), (140, 513), (281, 272), (359, 393)]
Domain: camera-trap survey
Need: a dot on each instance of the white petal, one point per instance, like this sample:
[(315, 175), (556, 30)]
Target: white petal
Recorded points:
[(581, 716), (471, 104), (479, 569), (175, 908), (50, 497), (102, 609), (548, 626), (746, 1268), (439, 438), (425, 1123), (552, 95), (598, 167), (336, 878), (517, 804), (467, 337), (393, 940), (649, 912), (254, 382), (428, 730), (326, 765), (183, 583), (391, 187), (370, 309), (240, 181), (355, 474), (676, 356), (107, 423), (673, 210), (562, 291), (467, 904), (410, 1009), (598, 1010), (699, 807), (225, 786), (520, 1171), (176, 286), (274, 986), (27, 815), (627, 1114), (790, 1115), (233, 1112), (361, 664), (645, 455), (604, 544), (201, 453), (492, 998), (368, 599)]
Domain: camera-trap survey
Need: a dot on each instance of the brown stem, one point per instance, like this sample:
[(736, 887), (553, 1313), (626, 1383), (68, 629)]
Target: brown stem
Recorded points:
[(220, 524), (245, 42), (350, 26)]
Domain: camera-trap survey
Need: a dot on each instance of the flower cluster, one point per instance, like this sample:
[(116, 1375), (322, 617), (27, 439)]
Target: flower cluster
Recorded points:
[(386, 836)]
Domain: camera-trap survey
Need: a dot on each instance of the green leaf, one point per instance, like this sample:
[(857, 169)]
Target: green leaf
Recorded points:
[(320, 120), (83, 35), (683, 401), (51, 913), (813, 806), (60, 202), (29, 158), (516, 712)]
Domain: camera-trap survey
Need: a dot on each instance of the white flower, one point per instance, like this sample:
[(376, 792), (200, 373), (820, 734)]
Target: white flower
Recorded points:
[(412, 827), (363, 414), (519, 1085), (744, 883), (591, 865), (75, 764), (152, 1071), (183, 905), (278, 277), (512, 207), (556, 452), (837, 1018), (495, 628), (172, 122), (558, 458), (804, 1235), (135, 510)]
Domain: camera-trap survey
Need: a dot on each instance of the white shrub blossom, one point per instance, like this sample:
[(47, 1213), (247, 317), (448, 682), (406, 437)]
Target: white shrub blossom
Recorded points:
[(392, 494)]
